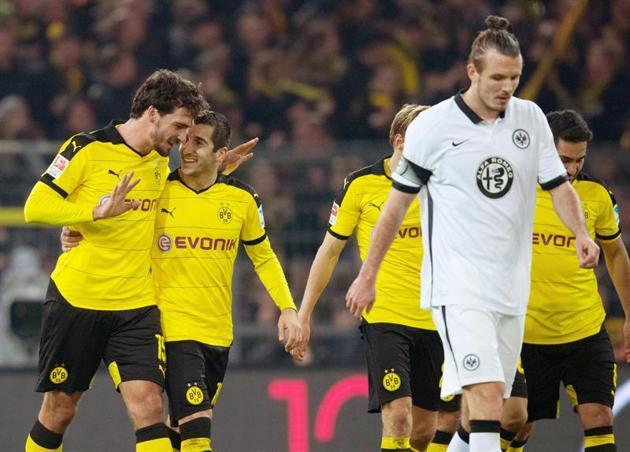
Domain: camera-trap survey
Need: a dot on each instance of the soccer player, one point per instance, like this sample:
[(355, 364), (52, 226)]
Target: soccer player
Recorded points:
[(565, 339), (100, 303), (476, 159), (402, 348), (202, 216)]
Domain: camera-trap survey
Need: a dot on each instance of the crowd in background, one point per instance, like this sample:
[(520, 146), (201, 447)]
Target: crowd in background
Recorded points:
[(307, 77)]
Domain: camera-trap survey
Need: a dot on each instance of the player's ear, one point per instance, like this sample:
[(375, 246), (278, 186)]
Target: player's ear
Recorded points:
[(152, 113), (399, 142), (471, 71), (221, 153)]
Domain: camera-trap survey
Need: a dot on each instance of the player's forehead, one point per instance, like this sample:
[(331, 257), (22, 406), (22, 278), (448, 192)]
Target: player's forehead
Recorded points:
[(494, 62), (202, 132), (180, 116), (571, 150)]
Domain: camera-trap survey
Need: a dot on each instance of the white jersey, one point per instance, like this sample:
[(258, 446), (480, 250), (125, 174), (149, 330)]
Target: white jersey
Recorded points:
[(478, 196)]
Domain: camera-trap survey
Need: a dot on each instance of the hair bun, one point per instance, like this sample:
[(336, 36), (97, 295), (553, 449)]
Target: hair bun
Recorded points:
[(497, 23)]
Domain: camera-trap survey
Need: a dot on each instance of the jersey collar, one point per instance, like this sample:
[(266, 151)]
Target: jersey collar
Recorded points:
[(474, 117), (113, 135), (381, 167), (175, 176)]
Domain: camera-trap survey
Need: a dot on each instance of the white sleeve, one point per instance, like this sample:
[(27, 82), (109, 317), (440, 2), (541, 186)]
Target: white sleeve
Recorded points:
[(551, 172), (414, 169)]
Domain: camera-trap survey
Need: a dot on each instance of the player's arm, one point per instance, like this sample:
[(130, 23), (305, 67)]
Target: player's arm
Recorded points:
[(318, 278), (567, 205), (48, 206), (618, 265), (362, 292), (269, 271)]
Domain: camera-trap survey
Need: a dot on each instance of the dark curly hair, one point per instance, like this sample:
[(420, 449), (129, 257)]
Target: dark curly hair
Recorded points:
[(569, 126), (167, 91)]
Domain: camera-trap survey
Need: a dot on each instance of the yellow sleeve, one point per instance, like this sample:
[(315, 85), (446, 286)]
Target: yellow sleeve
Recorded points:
[(46, 206), (270, 272), (259, 251), (607, 224), (69, 167), (345, 211)]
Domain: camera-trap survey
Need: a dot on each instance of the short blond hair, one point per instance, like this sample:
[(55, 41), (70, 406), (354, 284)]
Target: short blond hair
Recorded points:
[(403, 118)]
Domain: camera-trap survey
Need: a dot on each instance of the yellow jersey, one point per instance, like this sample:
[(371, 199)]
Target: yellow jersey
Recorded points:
[(197, 236), (564, 304), (110, 268), (355, 211)]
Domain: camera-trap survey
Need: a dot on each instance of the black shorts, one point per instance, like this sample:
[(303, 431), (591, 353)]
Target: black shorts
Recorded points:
[(585, 367), (194, 377), (519, 389), (402, 361), (75, 340)]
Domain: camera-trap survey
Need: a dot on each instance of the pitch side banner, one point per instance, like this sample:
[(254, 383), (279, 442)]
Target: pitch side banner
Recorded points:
[(297, 410)]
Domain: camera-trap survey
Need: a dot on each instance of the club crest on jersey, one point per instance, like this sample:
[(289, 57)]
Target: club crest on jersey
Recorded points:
[(334, 211), (471, 362), (58, 375), (194, 395), (520, 138), (494, 177), (164, 243), (225, 215), (157, 173), (391, 380), (58, 166)]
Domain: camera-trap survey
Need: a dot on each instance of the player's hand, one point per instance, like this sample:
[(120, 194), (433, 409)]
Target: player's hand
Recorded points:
[(299, 351), (289, 330), (115, 204), (237, 156), (69, 238), (360, 296), (626, 339), (587, 251)]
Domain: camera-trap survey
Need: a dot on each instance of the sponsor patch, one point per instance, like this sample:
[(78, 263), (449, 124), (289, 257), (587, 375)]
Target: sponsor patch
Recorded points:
[(261, 217), (334, 211), (58, 166), (164, 243)]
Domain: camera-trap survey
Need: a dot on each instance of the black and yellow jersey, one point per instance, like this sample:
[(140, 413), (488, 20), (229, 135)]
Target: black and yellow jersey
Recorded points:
[(110, 268), (355, 211), (197, 236), (564, 304)]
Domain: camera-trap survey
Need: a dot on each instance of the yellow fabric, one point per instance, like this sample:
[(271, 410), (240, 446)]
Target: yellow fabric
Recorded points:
[(32, 446), (114, 373), (196, 445), (391, 443), (505, 444), (197, 235), (110, 268), (46, 206), (598, 440), (155, 445), (433, 447), (564, 304), (356, 211), (572, 394), (514, 449)]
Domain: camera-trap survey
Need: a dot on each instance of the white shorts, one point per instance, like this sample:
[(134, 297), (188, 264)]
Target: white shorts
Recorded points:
[(480, 346)]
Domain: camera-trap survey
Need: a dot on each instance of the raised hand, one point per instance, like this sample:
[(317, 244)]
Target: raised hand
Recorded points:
[(115, 204), (237, 156)]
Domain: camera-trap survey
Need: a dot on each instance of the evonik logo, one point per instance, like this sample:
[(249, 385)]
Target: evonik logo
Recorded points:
[(165, 243)]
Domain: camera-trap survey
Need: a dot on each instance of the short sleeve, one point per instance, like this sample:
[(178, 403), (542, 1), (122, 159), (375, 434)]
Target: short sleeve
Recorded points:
[(607, 224), (551, 171), (345, 211)]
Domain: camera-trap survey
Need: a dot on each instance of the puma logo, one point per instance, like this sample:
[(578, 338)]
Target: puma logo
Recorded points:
[(170, 212), (75, 146), (114, 173), (377, 207)]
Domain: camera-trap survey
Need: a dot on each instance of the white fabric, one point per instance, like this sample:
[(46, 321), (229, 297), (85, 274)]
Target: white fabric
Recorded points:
[(457, 444), (485, 442), (480, 346), (478, 203)]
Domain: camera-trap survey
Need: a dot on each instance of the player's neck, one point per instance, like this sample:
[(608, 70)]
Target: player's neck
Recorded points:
[(476, 105), (199, 181), (134, 133)]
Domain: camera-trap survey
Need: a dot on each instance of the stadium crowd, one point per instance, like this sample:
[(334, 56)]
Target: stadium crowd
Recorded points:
[(304, 76)]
